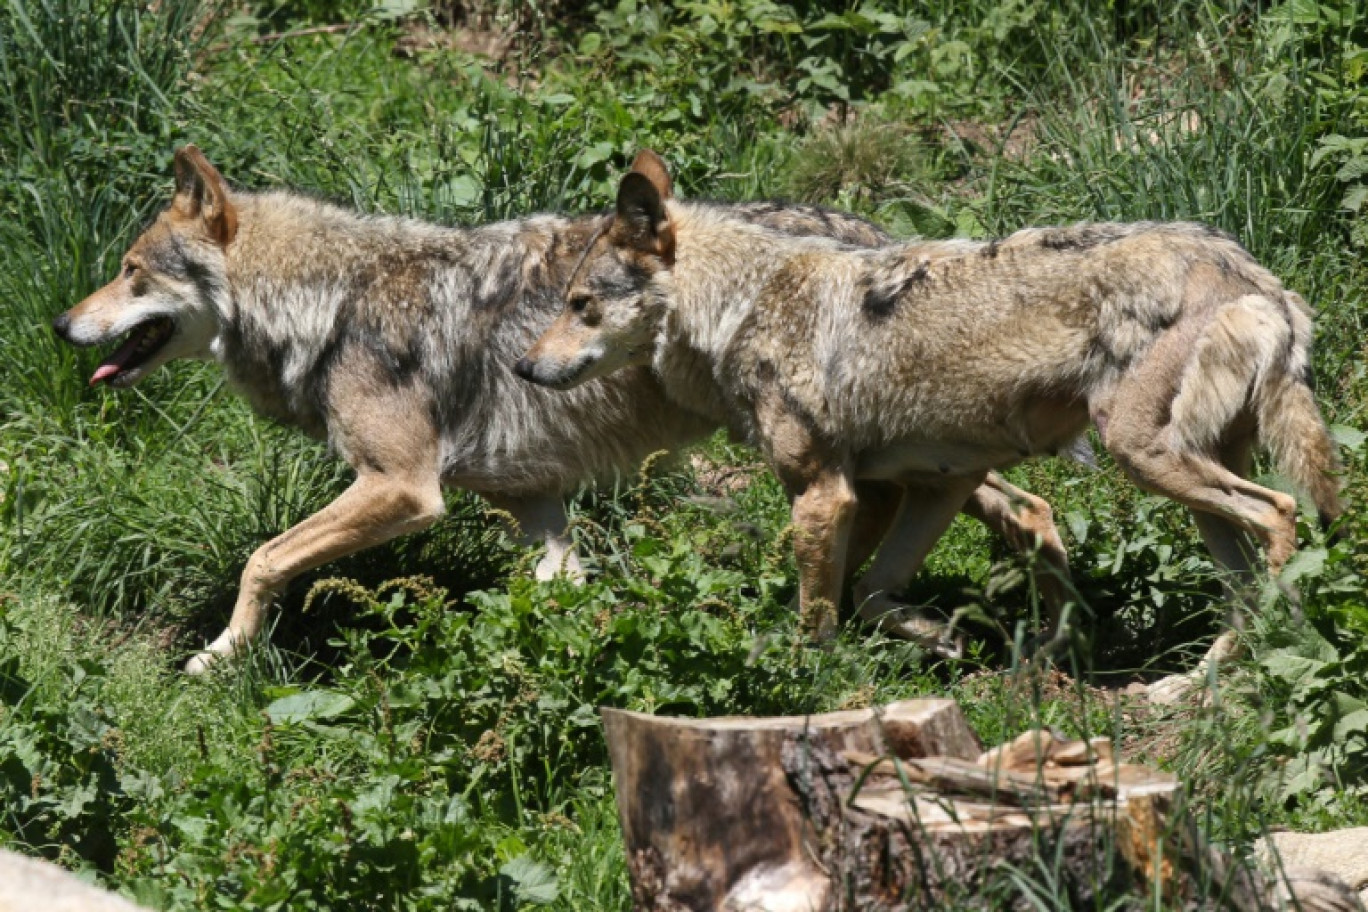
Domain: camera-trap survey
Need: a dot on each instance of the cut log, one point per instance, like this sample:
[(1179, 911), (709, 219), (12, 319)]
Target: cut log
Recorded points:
[(898, 808), (710, 813)]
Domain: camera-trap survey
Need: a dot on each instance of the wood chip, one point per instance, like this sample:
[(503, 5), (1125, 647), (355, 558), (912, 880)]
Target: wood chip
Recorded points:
[(953, 776), (1079, 753)]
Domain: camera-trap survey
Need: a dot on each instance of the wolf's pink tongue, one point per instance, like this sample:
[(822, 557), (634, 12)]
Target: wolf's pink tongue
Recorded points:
[(103, 372), (111, 366)]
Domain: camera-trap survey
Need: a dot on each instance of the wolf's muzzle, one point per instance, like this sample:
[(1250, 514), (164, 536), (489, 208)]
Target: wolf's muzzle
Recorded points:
[(526, 368)]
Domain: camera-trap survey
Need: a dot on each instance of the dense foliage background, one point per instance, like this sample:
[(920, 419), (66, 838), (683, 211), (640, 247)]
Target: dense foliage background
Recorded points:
[(425, 737)]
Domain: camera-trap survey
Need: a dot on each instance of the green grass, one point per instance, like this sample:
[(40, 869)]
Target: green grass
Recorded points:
[(410, 747)]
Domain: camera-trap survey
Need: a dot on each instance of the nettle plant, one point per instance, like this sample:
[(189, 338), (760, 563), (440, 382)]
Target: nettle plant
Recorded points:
[(799, 55), (1349, 156), (59, 758), (1315, 675)]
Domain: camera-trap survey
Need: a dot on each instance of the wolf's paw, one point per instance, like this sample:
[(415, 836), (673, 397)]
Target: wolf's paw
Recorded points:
[(566, 565), (217, 652), (907, 623), (1174, 689), (201, 663), (1190, 687)]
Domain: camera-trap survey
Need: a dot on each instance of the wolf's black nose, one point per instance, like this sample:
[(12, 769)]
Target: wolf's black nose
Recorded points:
[(525, 368), (61, 325)]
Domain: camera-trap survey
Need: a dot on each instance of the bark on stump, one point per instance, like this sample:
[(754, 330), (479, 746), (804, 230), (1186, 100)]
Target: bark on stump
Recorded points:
[(898, 808)]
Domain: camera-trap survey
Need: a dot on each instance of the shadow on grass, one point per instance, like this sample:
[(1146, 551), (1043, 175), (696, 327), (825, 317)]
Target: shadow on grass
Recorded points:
[(1116, 637), (466, 551)]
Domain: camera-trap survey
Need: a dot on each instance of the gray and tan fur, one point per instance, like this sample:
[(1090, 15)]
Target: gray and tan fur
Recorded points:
[(932, 363), (391, 339)]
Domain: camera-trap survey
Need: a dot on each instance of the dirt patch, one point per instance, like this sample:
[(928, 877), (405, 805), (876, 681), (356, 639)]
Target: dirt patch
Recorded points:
[(720, 480), (420, 38), (1014, 140)]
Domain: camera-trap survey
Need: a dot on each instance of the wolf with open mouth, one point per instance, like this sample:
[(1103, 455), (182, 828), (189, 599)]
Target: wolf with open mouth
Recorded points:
[(391, 339)]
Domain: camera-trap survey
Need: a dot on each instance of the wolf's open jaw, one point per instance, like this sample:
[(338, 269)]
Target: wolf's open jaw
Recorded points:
[(144, 341)]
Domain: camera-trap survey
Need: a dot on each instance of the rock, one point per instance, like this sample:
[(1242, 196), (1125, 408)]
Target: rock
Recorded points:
[(30, 885), (1341, 852), (1313, 890)]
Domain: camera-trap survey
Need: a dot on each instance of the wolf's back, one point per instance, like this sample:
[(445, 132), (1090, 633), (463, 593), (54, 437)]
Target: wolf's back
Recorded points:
[(799, 220)]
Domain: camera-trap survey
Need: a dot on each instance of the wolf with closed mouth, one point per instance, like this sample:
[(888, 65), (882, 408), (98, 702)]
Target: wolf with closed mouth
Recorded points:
[(390, 339), (932, 363)]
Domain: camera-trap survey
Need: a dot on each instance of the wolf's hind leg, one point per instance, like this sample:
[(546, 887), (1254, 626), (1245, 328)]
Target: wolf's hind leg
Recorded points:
[(542, 521), (1234, 550), (1179, 422), (1026, 522), (1234, 507), (1206, 486), (923, 516), (1145, 434)]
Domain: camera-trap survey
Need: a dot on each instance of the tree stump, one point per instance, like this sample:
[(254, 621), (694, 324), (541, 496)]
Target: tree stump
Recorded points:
[(898, 808)]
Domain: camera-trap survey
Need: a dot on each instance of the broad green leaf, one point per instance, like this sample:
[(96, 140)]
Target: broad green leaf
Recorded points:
[(1353, 201), (1291, 668), (1355, 722), (534, 882), (1304, 775), (463, 189), (311, 704), (1346, 436), (592, 155), (1307, 563)]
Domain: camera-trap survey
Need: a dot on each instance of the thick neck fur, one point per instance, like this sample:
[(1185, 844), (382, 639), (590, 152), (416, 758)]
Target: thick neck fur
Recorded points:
[(722, 264), (309, 283)]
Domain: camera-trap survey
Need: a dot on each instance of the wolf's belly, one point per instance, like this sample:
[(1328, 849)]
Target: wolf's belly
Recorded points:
[(1044, 425), (932, 458)]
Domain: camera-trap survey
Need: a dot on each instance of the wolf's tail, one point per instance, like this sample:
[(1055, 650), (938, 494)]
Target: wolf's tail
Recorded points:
[(1290, 424), (1256, 353)]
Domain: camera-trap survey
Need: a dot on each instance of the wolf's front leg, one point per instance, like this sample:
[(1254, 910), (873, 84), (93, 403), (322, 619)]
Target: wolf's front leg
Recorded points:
[(542, 521), (384, 431), (376, 508), (823, 515)]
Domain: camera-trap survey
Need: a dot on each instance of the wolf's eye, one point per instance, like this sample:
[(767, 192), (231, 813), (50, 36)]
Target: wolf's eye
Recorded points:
[(578, 303), (128, 270)]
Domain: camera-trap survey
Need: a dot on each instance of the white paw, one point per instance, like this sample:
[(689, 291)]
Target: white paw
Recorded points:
[(554, 565), (223, 648), (1190, 687), (201, 663), (545, 570)]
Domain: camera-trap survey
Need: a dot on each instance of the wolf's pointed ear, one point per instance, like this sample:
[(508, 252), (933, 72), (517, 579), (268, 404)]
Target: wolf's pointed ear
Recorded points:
[(653, 168), (642, 222), (201, 192)]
